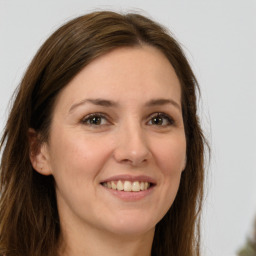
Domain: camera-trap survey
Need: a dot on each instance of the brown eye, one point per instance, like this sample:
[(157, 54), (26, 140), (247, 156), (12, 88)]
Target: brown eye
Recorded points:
[(95, 119), (158, 120), (161, 119)]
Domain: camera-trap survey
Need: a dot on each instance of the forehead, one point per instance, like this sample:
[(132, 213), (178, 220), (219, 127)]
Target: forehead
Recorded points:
[(125, 74)]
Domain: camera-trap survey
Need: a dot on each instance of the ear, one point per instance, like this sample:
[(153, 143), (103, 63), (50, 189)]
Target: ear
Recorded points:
[(39, 153)]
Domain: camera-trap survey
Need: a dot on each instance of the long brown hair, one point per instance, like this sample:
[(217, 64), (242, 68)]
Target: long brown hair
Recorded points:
[(29, 222)]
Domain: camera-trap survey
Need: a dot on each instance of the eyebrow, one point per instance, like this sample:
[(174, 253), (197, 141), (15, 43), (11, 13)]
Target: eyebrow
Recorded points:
[(161, 102), (110, 103), (98, 102)]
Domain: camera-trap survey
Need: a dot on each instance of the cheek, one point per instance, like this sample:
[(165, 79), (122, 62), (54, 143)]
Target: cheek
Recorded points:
[(76, 158), (76, 162), (170, 155)]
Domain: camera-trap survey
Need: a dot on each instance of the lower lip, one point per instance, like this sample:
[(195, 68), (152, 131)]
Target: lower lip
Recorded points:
[(130, 196)]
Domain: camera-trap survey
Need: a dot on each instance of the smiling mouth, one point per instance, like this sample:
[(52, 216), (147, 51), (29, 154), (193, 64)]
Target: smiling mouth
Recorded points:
[(127, 186)]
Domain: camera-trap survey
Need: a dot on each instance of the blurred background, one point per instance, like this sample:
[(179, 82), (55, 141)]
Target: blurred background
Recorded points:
[(219, 39)]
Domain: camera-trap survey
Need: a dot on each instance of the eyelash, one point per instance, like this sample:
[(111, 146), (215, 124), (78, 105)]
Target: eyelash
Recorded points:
[(87, 119), (170, 120)]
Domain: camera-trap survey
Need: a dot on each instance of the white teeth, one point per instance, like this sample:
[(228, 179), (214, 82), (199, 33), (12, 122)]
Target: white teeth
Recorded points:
[(120, 185), (113, 185), (136, 186), (127, 186)]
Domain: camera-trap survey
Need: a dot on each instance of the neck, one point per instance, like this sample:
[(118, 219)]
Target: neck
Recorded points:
[(95, 242)]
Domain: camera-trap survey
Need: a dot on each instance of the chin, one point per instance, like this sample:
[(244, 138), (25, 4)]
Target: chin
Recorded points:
[(132, 226)]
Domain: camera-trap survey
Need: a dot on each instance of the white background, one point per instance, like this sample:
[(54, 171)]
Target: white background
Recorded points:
[(219, 38)]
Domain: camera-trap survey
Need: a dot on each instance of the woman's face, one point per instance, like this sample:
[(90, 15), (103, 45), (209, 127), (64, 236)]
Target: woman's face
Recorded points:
[(117, 145)]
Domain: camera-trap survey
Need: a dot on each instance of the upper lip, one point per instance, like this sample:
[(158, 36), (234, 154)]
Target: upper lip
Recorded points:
[(131, 178)]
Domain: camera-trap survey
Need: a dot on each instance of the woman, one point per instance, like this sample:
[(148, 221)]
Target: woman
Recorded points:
[(103, 151)]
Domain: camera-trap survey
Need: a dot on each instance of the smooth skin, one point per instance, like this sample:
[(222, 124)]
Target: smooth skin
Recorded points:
[(121, 115)]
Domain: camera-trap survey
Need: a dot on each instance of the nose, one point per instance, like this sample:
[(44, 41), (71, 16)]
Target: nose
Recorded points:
[(132, 146)]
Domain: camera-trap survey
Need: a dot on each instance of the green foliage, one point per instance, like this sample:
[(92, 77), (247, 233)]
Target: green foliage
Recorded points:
[(248, 250)]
